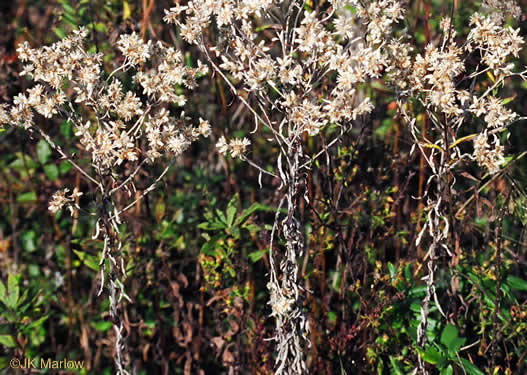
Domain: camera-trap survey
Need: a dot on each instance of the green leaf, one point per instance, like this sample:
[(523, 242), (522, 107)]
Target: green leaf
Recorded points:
[(67, 7), (64, 167), (392, 270), (408, 273), (51, 171), (60, 33), (29, 197), (252, 228), (232, 209), (101, 326), (88, 260), (470, 368), (7, 340), (449, 338), (14, 292), (43, 151), (449, 334), (65, 129), (263, 27), (28, 240), (215, 225), (160, 210), (383, 130), (127, 13), (242, 218), (70, 19), (417, 291), (221, 217), (3, 293), (378, 86), (432, 355), (462, 139), (210, 247), (447, 370), (38, 323), (415, 307), (22, 162), (255, 256), (517, 283), (188, 60), (100, 27), (395, 366)]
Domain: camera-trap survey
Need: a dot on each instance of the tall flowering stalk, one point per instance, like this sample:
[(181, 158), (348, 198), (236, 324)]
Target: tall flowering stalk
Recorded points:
[(455, 96), (298, 71), (122, 131)]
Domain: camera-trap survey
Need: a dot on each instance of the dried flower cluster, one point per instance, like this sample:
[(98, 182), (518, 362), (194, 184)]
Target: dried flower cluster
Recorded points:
[(61, 199), (236, 147), (454, 93), (114, 126), (435, 79), (120, 119), (280, 63), (500, 10)]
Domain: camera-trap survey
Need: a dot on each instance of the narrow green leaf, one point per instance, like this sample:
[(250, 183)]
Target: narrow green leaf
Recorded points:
[(51, 171), (209, 247), (395, 366), (392, 270), (447, 370), (160, 210), (517, 283), (448, 336), (232, 208), (221, 216), (470, 368), (65, 129), (3, 293), (68, 8), (43, 151), (29, 197), (88, 260), (70, 19), (231, 211), (7, 340), (255, 256), (64, 167), (242, 218), (13, 292), (127, 12), (37, 323), (462, 139), (215, 225), (432, 355), (28, 238), (101, 326), (23, 162), (60, 33), (101, 27)]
